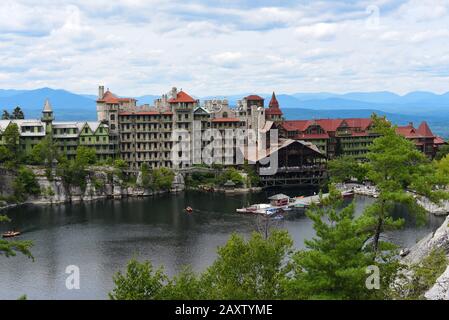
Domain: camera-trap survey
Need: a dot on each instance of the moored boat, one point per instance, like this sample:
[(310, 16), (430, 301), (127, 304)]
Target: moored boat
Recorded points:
[(11, 234), (347, 194), (254, 209)]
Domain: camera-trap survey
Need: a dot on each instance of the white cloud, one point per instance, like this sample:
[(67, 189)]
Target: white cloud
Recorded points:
[(140, 47), (319, 31)]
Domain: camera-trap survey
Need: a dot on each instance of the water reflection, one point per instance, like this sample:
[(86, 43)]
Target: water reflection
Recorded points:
[(100, 237)]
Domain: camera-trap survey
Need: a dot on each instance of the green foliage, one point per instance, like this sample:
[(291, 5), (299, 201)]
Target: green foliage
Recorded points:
[(418, 278), (11, 248), (146, 178), (253, 269), (345, 168), (442, 152), (394, 166), (25, 184), (200, 178), (120, 167), (6, 115), (141, 282), (12, 138), (45, 152), (72, 173), (5, 154), (334, 264), (162, 178), (86, 156), (253, 177), (17, 113), (230, 174)]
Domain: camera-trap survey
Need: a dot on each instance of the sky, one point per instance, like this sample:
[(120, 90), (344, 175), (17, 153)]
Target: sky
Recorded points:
[(138, 47)]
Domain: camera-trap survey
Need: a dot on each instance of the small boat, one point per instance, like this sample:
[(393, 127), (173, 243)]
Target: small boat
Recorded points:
[(348, 194), (11, 234), (254, 209), (189, 210)]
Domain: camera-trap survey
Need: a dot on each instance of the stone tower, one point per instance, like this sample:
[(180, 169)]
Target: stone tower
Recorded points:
[(47, 117)]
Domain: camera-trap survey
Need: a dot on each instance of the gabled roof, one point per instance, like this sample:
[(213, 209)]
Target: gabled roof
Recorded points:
[(109, 97), (94, 125), (253, 154), (200, 110), (279, 196), (4, 124), (409, 131), (329, 125), (182, 97), (295, 125)]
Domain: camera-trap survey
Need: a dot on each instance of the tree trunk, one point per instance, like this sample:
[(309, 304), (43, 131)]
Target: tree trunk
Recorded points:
[(380, 222)]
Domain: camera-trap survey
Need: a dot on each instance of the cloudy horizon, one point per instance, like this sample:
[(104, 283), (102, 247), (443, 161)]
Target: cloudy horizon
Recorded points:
[(138, 47)]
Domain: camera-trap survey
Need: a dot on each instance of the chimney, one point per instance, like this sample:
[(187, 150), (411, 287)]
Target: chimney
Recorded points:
[(100, 92), (174, 93)]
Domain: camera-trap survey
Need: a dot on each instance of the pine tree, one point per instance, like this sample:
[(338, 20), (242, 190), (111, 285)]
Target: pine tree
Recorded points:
[(17, 113), (5, 115), (334, 264)]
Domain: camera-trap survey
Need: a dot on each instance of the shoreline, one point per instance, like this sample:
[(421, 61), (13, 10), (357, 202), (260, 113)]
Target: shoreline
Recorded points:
[(370, 191)]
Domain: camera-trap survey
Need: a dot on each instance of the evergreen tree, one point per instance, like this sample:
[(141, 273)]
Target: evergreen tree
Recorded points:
[(396, 166), (17, 113), (5, 115), (334, 264), (12, 138)]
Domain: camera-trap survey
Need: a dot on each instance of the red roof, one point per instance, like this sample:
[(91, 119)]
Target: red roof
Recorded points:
[(254, 97), (438, 140), (109, 97), (425, 131), (362, 123), (409, 131), (182, 97), (273, 108), (226, 120), (274, 102)]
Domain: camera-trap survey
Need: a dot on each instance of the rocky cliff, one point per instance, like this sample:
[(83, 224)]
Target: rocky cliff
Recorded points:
[(100, 183), (436, 240)]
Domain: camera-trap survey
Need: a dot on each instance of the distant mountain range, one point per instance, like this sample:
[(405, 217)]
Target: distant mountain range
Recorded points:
[(415, 106)]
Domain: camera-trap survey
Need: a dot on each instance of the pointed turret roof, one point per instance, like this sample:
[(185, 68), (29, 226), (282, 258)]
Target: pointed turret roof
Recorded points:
[(274, 102), (273, 107), (424, 130), (47, 106)]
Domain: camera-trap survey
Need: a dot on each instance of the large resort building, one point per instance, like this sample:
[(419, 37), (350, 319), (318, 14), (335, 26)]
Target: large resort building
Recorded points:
[(176, 133)]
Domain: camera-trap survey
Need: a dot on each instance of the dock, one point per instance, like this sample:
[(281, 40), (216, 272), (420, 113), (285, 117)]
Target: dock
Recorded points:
[(308, 201), (280, 203)]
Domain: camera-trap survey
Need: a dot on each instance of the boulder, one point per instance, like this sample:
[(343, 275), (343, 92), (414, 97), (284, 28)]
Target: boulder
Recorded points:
[(440, 290), (438, 239)]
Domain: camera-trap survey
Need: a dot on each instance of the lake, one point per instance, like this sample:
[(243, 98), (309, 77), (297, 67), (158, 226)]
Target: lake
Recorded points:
[(101, 237)]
